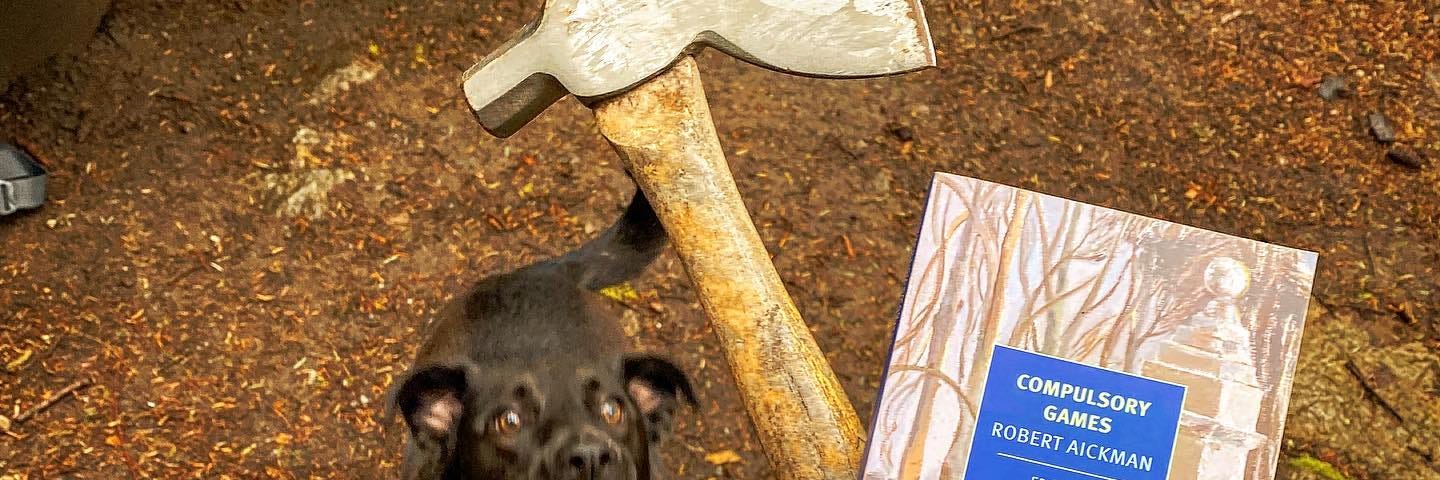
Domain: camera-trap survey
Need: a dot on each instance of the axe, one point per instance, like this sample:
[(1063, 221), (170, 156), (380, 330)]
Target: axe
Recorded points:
[(630, 61)]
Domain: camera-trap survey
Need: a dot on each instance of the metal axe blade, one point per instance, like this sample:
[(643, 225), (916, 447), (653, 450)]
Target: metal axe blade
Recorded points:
[(597, 48)]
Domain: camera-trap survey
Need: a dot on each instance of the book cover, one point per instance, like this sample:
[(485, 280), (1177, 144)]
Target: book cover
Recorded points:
[(1043, 338)]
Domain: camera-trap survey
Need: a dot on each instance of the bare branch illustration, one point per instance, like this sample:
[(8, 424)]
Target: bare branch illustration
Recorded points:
[(1119, 238), (996, 300), (1024, 329), (1052, 302), (935, 357), (1094, 300), (926, 316), (1062, 275), (1100, 333), (945, 379), (1121, 325)]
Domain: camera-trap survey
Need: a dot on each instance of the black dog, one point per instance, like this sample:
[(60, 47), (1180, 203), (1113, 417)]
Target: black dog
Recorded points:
[(524, 377)]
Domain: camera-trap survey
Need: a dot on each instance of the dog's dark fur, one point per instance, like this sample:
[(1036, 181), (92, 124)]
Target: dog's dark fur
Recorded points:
[(513, 379)]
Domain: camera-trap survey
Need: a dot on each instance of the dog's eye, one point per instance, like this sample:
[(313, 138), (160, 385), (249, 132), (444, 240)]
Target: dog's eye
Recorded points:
[(507, 422), (610, 411)]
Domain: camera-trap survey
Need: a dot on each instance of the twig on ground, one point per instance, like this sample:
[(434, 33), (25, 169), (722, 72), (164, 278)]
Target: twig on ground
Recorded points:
[(1370, 390), (841, 145), (1022, 30), (1369, 254), (181, 276), (52, 400)]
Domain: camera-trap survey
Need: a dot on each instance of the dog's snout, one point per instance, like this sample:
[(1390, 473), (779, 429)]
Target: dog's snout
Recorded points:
[(590, 458)]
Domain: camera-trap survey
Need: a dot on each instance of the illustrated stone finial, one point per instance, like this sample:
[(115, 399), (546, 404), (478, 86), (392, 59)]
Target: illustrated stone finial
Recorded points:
[(1227, 277), (1211, 355)]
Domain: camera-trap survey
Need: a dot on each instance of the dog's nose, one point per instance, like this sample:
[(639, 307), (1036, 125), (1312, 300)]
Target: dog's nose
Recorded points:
[(590, 458)]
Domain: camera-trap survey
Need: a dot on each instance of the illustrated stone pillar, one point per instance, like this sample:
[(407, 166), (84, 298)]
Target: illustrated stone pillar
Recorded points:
[(1211, 356)]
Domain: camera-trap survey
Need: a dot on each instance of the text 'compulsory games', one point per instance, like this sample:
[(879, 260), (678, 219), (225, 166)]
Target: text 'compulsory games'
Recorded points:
[(1050, 418)]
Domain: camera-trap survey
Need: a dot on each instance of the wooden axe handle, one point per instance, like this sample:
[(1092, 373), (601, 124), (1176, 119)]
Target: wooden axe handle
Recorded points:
[(663, 133)]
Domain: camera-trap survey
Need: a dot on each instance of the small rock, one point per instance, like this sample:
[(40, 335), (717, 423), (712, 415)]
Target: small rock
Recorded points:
[(1406, 156), (901, 132), (881, 182), (630, 322), (306, 136), (309, 192), (1381, 128), (1333, 87), (358, 73)]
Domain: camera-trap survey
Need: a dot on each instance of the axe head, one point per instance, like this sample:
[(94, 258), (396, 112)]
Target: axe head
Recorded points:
[(597, 48)]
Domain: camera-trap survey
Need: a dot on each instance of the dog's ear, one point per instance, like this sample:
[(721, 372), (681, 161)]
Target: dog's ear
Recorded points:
[(657, 387), (432, 400)]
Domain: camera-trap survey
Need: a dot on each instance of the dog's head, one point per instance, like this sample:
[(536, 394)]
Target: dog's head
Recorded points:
[(559, 421)]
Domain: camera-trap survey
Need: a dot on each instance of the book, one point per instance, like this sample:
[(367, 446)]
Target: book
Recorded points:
[(1044, 338)]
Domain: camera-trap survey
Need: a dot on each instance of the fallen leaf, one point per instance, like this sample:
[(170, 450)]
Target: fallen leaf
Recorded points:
[(113, 441), (4, 423), (723, 457), (16, 363), (621, 293)]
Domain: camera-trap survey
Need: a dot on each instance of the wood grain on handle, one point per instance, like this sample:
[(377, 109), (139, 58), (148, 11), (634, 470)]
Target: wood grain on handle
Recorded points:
[(664, 135)]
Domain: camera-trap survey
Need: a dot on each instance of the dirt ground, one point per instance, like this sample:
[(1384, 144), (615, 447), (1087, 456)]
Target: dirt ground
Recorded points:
[(256, 203)]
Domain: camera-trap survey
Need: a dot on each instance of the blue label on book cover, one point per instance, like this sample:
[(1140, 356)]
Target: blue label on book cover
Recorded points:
[(1048, 418)]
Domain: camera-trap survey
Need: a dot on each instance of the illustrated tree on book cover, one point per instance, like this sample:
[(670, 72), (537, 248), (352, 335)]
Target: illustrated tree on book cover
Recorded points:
[(999, 265)]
